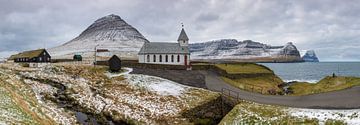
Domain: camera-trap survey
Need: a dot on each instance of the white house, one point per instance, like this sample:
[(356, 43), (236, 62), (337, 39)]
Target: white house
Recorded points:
[(166, 53)]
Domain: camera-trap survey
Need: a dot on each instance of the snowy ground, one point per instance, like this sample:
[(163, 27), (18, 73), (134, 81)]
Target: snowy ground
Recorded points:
[(21, 101), (122, 96), (351, 117), (250, 113)]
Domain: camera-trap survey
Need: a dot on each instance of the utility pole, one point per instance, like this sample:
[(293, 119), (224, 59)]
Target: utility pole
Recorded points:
[(95, 54), (144, 53), (338, 69)]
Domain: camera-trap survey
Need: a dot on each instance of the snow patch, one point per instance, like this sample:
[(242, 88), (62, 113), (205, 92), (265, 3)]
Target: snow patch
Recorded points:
[(156, 84), (351, 117), (111, 75)]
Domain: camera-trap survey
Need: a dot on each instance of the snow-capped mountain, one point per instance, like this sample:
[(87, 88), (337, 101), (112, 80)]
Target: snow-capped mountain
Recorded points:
[(310, 56), (247, 49), (109, 32)]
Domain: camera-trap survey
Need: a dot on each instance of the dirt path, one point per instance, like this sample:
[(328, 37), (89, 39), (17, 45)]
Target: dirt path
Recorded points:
[(344, 99)]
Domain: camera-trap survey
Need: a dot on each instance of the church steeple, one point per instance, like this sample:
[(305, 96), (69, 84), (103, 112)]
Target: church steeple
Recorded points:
[(183, 38)]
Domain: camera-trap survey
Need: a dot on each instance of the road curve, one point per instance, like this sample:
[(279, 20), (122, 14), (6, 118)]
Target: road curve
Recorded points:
[(343, 99)]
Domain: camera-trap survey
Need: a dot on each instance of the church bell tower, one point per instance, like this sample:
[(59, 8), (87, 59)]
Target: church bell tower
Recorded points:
[(183, 38)]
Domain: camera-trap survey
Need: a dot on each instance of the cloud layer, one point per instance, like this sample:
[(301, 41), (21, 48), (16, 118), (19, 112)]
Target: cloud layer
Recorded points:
[(330, 27)]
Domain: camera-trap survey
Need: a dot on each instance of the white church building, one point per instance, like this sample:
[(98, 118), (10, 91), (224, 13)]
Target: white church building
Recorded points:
[(166, 53)]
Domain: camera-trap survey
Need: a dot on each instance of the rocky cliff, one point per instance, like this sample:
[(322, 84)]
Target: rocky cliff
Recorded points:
[(243, 50), (310, 56)]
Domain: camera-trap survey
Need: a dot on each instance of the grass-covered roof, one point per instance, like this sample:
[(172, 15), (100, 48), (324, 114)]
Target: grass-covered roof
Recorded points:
[(28, 54)]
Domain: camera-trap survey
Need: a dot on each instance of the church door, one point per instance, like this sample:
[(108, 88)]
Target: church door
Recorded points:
[(185, 59)]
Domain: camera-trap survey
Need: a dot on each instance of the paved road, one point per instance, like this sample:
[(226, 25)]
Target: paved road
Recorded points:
[(344, 99)]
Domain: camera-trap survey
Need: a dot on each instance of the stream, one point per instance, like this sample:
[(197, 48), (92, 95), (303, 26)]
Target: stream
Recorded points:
[(84, 118)]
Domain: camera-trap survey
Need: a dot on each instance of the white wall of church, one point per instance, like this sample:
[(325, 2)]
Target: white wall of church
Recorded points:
[(144, 59)]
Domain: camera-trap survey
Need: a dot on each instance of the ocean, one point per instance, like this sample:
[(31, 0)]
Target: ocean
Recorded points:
[(313, 72)]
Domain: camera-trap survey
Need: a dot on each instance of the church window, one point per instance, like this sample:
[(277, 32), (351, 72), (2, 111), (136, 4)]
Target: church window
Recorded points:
[(154, 58), (166, 58), (147, 58), (160, 57), (178, 58), (172, 58)]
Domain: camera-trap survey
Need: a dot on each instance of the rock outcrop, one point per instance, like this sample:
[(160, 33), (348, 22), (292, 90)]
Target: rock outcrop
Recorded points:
[(244, 50), (310, 56)]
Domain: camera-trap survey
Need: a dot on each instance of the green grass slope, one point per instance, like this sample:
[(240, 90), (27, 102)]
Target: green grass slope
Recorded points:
[(325, 85), (251, 77)]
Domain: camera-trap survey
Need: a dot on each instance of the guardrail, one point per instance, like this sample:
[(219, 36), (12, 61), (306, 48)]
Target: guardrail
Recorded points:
[(230, 95), (229, 98)]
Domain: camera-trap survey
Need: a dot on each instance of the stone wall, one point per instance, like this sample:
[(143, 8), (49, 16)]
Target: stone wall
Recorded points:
[(209, 113)]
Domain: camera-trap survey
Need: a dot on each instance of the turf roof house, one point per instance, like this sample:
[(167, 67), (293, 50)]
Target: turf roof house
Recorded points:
[(166, 53), (34, 56)]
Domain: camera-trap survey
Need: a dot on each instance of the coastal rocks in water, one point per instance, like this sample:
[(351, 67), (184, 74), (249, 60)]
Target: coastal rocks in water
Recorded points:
[(244, 50), (310, 56)]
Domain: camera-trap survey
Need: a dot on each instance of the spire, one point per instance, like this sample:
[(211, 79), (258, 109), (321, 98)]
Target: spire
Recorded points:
[(183, 36)]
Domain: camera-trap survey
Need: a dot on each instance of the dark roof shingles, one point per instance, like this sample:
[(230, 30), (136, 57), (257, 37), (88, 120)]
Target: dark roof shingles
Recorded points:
[(183, 35), (163, 48)]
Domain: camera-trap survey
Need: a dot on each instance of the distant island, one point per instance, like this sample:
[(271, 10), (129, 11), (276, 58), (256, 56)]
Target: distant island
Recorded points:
[(310, 56)]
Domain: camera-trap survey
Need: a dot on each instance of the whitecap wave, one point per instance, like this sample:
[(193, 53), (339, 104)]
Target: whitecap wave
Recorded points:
[(303, 80)]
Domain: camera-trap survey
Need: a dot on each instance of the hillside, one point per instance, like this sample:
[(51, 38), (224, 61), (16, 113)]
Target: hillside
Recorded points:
[(69, 94), (254, 113), (109, 32), (327, 84), (251, 77)]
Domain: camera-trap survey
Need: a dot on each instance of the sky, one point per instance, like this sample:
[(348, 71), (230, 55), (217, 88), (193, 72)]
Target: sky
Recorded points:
[(330, 27)]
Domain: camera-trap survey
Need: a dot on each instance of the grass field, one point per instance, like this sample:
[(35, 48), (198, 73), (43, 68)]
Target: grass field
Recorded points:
[(134, 98), (325, 85), (256, 83), (261, 114), (18, 104), (248, 68), (259, 84)]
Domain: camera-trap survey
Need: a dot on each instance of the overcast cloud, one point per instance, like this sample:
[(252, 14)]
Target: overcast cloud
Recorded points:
[(330, 27)]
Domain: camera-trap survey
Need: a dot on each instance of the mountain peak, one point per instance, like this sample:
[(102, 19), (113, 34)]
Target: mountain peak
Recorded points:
[(110, 27), (108, 32), (111, 17)]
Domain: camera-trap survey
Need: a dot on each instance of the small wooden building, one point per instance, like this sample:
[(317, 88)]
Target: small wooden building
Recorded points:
[(33, 56), (77, 57), (114, 64)]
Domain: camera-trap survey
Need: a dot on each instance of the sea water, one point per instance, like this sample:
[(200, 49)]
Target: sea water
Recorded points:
[(313, 72)]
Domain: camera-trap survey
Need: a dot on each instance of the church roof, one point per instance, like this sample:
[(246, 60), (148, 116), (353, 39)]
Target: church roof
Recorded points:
[(163, 48), (183, 35)]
